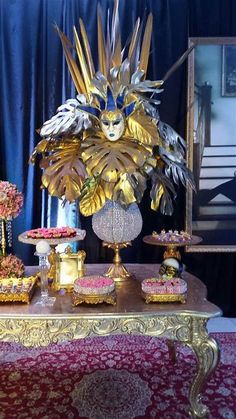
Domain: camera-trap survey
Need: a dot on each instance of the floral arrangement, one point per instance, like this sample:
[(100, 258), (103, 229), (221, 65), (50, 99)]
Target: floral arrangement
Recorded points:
[(107, 142), (11, 200), (11, 266)]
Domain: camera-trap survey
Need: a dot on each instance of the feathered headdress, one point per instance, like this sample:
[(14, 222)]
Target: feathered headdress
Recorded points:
[(105, 144)]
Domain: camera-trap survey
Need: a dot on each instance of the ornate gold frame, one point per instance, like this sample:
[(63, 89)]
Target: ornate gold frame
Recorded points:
[(190, 139), (69, 266)]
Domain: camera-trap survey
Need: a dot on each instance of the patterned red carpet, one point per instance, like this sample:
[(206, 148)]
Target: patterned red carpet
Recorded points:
[(111, 378)]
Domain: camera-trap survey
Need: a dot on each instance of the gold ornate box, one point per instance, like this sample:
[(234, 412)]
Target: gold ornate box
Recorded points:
[(17, 289), (94, 289), (69, 267), (164, 290)]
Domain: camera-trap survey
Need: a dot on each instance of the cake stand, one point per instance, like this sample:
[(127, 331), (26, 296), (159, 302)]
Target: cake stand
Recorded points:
[(173, 295), (52, 258), (171, 246)]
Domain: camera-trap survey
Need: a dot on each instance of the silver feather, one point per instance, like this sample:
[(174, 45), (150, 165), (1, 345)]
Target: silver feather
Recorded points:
[(68, 119), (177, 170), (169, 135)]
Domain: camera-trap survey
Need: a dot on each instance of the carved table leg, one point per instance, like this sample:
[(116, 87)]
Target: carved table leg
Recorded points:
[(207, 352)]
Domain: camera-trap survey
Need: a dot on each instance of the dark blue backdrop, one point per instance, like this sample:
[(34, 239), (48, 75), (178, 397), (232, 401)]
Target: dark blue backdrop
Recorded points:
[(34, 81)]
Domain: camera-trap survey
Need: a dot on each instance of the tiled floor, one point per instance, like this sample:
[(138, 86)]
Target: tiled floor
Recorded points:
[(222, 324)]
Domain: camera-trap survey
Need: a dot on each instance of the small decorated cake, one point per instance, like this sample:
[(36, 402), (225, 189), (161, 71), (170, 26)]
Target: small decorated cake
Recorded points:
[(159, 286), (172, 236), (51, 233), (94, 285)]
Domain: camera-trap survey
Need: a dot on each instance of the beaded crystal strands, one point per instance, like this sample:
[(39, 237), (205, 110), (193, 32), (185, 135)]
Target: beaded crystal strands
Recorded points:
[(11, 203), (104, 144)]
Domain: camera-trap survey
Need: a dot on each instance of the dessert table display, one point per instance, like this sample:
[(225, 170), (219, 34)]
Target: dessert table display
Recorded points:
[(53, 236), (101, 148), (167, 285), (34, 325)]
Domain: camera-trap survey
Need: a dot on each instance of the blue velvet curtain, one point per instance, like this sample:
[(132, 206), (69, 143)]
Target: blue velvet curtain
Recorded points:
[(34, 81)]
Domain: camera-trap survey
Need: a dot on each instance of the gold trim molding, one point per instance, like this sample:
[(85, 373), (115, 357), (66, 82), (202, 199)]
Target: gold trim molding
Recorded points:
[(42, 332)]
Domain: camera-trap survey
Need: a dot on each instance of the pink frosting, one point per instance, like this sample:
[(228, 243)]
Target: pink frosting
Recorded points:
[(94, 282), (52, 232), (170, 286), (94, 285)]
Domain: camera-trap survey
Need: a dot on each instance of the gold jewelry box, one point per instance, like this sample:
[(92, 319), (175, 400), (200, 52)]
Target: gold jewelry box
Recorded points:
[(17, 289)]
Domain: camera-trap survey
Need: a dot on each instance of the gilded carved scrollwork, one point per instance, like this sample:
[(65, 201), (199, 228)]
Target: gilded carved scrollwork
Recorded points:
[(42, 332)]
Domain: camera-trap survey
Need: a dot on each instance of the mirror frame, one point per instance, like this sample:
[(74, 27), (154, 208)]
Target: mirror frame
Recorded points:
[(190, 140)]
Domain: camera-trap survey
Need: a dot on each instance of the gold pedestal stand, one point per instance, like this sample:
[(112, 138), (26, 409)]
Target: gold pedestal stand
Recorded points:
[(172, 252), (117, 270), (94, 299), (164, 298)]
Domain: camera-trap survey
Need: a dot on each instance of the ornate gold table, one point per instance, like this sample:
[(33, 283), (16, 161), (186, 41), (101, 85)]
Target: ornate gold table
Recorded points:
[(34, 325)]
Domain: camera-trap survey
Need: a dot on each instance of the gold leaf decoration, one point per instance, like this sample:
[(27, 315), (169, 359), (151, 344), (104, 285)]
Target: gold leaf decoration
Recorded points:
[(160, 193), (40, 148), (101, 43), (92, 197), (110, 159), (83, 64), (87, 48), (143, 129), (64, 172), (144, 56), (73, 68), (108, 188), (124, 191), (157, 195), (139, 184)]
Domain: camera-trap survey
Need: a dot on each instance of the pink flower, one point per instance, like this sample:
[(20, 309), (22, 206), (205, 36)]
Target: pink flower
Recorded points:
[(11, 200), (11, 266)]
